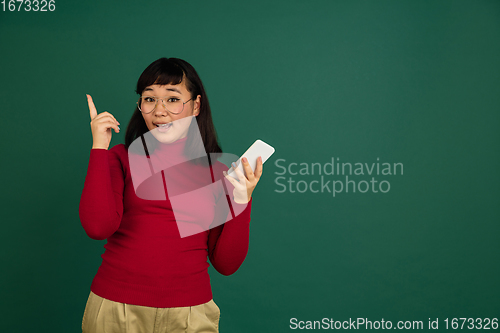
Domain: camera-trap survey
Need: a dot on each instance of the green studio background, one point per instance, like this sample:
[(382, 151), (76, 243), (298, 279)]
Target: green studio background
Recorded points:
[(410, 82)]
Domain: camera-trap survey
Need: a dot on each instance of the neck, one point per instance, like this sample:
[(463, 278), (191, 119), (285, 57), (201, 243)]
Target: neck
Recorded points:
[(171, 151)]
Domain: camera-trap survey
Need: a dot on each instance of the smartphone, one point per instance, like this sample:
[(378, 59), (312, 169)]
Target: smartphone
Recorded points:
[(258, 148)]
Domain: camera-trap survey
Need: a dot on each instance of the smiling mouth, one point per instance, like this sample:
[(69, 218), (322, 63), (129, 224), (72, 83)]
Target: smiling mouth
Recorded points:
[(163, 127)]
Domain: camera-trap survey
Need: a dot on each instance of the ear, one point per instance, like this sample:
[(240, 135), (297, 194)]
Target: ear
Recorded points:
[(197, 105)]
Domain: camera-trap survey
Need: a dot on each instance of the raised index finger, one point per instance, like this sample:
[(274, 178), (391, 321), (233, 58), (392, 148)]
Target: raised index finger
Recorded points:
[(93, 111)]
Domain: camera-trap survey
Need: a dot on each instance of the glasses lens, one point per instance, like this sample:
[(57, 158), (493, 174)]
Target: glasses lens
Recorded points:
[(174, 105), (146, 104)]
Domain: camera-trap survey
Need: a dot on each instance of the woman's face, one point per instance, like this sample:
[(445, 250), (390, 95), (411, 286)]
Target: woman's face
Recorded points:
[(178, 124)]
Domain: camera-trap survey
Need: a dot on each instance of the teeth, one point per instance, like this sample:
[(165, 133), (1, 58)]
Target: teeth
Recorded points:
[(163, 125)]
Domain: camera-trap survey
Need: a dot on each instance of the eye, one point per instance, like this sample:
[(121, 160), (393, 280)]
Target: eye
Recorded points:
[(173, 100), (147, 99)]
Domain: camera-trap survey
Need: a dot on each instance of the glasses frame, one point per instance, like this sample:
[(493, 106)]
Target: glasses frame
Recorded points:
[(163, 102)]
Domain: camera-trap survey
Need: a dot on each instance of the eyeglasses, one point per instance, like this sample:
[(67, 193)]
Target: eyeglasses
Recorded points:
[(174, 105)]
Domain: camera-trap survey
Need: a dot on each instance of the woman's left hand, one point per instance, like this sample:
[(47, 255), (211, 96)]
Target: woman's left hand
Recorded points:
[(244, 188)]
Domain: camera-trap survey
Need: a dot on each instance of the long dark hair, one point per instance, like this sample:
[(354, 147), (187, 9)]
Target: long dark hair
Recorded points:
[(172, 71)]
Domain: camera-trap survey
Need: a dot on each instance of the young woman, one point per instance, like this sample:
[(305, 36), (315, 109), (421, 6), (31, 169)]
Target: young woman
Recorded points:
[(152, 277)]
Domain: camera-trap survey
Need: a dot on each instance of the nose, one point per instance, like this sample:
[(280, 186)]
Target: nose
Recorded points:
[(160, 107)]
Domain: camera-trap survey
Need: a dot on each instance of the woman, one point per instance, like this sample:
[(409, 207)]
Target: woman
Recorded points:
[(154, 272)]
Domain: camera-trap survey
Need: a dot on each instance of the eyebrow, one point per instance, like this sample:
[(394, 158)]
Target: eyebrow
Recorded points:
[(169, 89)]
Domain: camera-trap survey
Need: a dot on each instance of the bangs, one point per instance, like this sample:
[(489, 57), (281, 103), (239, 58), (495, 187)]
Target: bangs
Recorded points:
[(161, 73), (168, 78)]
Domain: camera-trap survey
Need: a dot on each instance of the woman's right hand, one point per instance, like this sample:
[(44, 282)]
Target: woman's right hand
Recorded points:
[(101, 125)]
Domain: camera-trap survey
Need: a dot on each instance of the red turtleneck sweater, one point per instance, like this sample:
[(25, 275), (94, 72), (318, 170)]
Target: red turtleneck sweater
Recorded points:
[(146, 261)]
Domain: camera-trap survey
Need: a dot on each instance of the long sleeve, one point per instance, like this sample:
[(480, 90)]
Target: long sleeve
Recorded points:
[(101, 203), (228, 243)]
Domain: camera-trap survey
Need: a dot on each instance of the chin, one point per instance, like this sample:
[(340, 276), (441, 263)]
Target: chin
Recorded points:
[(166, 137)]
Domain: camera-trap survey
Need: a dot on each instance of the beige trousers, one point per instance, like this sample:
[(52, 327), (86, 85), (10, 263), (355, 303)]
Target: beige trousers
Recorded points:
[(104, 316)]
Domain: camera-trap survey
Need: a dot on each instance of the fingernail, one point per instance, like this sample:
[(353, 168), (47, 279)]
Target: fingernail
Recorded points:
[(234, 165)]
